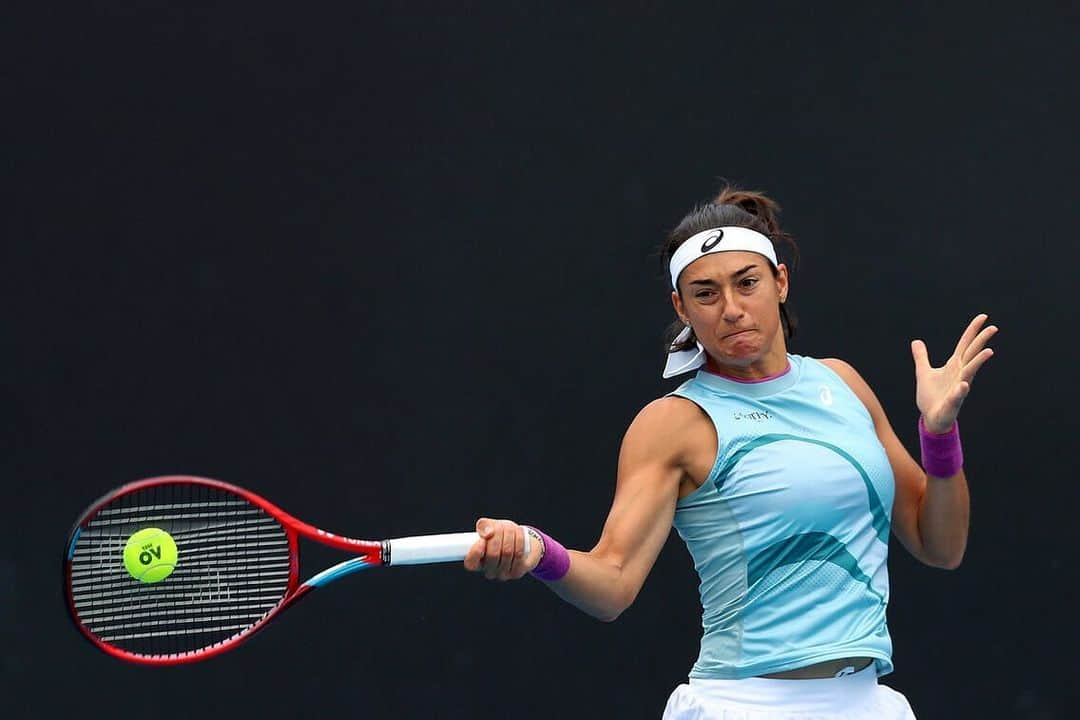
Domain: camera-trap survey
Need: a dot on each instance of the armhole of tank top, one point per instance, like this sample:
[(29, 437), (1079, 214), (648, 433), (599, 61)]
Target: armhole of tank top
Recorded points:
[(844, 384), (711, 477)]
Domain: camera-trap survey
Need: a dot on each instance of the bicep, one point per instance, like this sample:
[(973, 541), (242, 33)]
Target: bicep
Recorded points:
[(646, 492)]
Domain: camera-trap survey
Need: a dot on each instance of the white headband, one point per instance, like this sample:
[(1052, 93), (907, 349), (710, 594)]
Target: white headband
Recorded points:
[(721, 239)]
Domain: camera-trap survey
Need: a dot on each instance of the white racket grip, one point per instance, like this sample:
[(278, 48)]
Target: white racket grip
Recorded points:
[(427, 549)]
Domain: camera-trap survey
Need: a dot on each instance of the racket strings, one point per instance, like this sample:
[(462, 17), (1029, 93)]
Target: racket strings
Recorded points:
[(233, 567)]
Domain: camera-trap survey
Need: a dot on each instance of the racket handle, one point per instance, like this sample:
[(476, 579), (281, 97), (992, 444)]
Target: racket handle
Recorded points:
[(426, 549)]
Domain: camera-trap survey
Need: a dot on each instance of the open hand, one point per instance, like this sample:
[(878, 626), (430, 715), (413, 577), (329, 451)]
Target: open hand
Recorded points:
[(940, 391)]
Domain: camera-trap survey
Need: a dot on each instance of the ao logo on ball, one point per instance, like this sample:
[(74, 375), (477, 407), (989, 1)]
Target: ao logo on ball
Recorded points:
[(150, 555)]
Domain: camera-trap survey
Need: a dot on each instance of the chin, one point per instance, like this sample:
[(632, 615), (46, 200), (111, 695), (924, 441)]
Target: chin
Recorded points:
[(742, 344), (740, 357)]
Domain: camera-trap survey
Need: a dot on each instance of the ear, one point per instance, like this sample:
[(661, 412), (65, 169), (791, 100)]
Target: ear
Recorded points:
[(677, 303), (782, 286)]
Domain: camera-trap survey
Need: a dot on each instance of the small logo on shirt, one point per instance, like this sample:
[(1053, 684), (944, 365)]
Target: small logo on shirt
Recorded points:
[(759, 415), (825, 393)]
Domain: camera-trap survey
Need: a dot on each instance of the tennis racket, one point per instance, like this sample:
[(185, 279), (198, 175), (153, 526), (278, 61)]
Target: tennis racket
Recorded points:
[(235, 567)]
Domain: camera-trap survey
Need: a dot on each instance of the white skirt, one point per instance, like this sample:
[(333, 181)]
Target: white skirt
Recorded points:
[(851, 697)]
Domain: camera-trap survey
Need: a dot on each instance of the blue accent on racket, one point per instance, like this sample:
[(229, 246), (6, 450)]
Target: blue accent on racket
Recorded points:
[(74, 539), (340, 570)]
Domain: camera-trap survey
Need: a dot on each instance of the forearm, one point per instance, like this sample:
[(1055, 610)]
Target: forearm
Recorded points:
[(595, 585), (945, 507), (943, 520)]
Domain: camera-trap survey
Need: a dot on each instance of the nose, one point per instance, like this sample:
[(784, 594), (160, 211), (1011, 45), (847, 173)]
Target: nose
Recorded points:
[(733, 311)]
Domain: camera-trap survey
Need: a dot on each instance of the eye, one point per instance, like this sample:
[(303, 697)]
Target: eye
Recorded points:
[(748, 283), (704, 294)]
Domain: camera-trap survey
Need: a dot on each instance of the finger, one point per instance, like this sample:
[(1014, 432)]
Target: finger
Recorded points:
[(493, 552), (979, 343), (485, 527), (506, 549), (918, 353), (491, 567), (968, 373), (969, 334), (475, 556), (512, 551)]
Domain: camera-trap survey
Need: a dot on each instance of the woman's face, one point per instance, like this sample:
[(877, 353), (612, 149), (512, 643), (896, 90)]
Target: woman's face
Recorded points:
[(732, 300)]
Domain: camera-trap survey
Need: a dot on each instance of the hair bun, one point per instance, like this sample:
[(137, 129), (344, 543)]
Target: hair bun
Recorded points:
[(754, 202)]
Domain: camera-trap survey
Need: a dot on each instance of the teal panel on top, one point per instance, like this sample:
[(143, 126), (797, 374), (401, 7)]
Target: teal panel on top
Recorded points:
[(878, 516), (807, 546)]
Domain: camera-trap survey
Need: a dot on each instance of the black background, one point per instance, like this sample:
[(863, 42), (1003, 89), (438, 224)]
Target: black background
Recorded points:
[(392, 266)]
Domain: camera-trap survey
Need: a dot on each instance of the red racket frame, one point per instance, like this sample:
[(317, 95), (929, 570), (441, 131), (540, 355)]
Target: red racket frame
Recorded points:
[(370, 552)]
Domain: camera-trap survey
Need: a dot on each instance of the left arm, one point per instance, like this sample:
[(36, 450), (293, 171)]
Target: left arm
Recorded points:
[(930, 514)]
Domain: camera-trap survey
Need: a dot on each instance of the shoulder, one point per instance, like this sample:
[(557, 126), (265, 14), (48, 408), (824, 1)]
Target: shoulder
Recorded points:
[(665, 427), (668, 414), (855, 381), (841, 368)]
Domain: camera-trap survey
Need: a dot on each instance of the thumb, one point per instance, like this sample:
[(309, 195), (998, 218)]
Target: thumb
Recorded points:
[(919, 355), (485, 527)]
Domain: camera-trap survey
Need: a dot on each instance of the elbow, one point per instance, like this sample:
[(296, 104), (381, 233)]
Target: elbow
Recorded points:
[(615, 590), (611, 612), (609, 615), (941, 551), (946, 562)]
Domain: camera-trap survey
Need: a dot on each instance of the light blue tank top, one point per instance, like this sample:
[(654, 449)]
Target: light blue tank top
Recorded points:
[(790, 531)]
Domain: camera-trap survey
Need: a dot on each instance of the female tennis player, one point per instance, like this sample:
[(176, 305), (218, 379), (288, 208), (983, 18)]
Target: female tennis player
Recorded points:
[(783, 476)]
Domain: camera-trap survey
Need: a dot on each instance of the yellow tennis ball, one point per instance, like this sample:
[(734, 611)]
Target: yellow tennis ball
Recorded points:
[(150, 555)]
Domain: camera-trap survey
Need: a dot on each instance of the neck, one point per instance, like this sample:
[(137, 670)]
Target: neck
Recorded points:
[(760, 371)]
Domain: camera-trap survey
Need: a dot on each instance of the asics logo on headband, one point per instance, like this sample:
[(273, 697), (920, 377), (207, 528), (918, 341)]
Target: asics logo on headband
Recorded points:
[(712, 242), (720, 239)]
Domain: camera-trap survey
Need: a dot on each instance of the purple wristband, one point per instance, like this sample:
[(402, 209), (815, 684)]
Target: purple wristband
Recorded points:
[(942, 456), (555, 562)]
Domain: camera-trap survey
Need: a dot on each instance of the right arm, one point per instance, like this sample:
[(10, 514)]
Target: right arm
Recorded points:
[(605, 580)]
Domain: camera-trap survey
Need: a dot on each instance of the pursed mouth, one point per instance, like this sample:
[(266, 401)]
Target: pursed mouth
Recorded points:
[(737, 332)]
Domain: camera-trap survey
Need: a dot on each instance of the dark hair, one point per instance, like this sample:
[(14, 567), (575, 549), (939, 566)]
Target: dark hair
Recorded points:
[(732, 207)]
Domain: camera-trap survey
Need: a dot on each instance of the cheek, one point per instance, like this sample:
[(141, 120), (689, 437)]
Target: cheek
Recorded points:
[(767, 315), (775, 324)]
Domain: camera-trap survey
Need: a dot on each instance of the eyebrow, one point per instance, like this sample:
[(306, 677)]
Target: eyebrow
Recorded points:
[(737, 273)]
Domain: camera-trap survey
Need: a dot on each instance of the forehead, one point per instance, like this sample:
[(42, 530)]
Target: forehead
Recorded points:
[(721, 265)]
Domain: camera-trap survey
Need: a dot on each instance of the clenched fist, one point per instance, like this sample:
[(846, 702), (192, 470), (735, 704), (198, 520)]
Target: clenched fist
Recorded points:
[(500, 551)]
